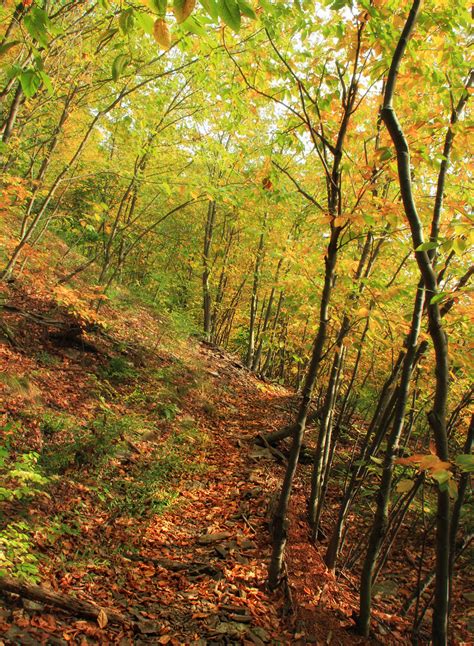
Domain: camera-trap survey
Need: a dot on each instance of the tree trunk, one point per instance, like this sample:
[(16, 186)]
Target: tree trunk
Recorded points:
[(279, 525), (437, 416), (254, 298), (380, 521), (206, 271)]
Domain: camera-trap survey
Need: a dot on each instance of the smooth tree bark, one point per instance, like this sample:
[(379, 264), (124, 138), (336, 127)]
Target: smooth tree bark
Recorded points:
[(334, 204), (279, 521), (378, 529), (369, 446), (206, 269), (266, 319), (249, 359), (437, 415)]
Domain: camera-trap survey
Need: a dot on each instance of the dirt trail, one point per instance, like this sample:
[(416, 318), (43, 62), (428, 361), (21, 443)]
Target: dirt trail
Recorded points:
[(223, 521)]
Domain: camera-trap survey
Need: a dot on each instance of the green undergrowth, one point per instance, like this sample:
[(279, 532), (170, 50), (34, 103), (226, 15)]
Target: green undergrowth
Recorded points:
[(22, 481), (129, 459), (152, 485)]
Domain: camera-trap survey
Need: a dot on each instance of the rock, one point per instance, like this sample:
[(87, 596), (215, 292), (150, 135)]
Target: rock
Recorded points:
[(233, 629), (148, 628), (245, 619), (261, 633), (239, 610), (206, 539), (255, 639), (221, 551), (248, 545), (32, 606), (261, 453)]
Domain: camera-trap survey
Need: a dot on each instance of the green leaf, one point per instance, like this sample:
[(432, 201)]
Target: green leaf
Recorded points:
[(30, 82), (14, 71), (340, 4), (178, 6), (378, 461), (47, 82), (465, 461), (145, 21), (127, 20), (247, 10), (229, 11), (37, 24), (193, 25), (211, 7), (404, 485), (442, 476), (118, 66), (453, 489), (437, 298), (427, 246), (386, 154), (159, 7), (459, 246), (7, 46)]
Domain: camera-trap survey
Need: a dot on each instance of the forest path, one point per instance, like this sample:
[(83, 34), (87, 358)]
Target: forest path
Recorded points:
[(221, 522)]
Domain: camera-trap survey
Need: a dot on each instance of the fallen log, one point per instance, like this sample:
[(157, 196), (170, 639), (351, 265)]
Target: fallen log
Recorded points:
[(286, 431), (75, 606)]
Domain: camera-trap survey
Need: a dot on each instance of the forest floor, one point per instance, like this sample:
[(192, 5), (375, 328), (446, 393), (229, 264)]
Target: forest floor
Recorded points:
[(157, 498), (138, 486)]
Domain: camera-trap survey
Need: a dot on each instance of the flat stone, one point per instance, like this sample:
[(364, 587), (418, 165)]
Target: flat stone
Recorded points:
[(32, 606), (245, 619), (205, 539), (221, 551)]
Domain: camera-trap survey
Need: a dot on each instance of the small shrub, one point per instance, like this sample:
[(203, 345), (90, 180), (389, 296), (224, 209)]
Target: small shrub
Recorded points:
[(47, 360), (82, 446), (20, 475), (16, 553), (118, 370), (52, 423), (167, 411)]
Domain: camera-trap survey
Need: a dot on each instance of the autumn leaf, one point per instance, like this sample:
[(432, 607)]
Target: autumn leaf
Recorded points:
[(102, 618), (161, 33), (183, 9)]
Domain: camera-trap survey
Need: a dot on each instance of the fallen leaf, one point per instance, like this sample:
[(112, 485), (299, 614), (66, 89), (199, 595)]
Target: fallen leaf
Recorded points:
[(102, 618)]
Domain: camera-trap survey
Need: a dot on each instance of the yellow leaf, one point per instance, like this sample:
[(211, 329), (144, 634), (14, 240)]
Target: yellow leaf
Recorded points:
[(404, 485), (340, 221), (102, 618)]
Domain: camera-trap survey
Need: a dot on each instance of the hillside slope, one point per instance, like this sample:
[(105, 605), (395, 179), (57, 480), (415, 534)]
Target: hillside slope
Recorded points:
[(137, 484)]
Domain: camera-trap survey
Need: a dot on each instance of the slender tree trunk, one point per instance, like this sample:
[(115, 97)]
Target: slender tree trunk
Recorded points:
[(206, 271), (322, 464), (254, 297), (7, 127), (378, 422), (437, 416), (279, 520), (380, 521)]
